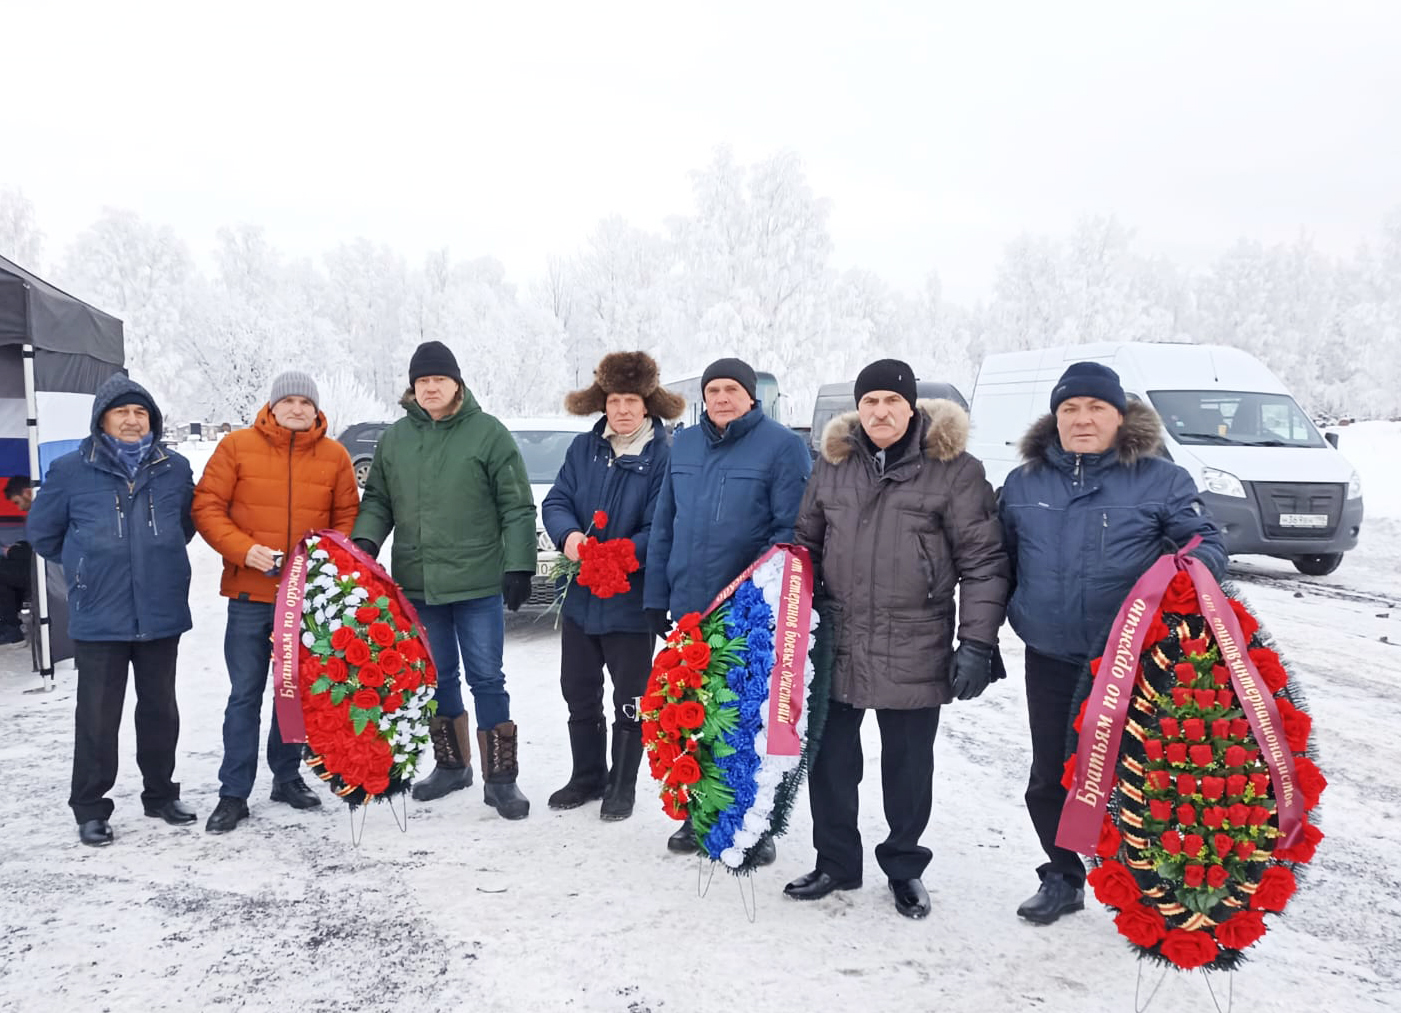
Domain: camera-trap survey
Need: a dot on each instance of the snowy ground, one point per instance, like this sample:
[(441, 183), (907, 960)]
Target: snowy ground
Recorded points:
[(564, 912)]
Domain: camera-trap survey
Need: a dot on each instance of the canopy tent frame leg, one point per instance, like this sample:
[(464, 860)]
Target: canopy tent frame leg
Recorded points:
[(39, 589)]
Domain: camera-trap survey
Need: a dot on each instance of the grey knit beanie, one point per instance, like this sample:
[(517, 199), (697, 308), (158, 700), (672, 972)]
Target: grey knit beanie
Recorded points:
[(294, 382)]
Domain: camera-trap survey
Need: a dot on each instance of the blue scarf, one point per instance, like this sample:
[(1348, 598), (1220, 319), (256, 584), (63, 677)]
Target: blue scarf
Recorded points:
[(128, 455)]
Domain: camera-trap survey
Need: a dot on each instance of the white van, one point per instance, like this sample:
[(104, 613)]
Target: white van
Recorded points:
[(1271, 480)]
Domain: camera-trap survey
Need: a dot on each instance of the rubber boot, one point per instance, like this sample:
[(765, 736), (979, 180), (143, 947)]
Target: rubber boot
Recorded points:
[(499, 761), (621, 792), (587, 743), (452, 750)]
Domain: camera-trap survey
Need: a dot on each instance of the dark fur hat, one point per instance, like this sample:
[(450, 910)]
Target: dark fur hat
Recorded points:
[(626, 373)]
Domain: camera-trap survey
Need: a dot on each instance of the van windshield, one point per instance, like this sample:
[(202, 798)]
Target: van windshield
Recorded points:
[(1234, 418)]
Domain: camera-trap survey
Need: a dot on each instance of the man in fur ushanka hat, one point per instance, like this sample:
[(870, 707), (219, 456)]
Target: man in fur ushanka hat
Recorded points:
[(626, 373), (616, 468)]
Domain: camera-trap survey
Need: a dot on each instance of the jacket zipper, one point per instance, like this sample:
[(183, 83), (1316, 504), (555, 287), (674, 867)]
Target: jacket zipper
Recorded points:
[(150, 502), (720, 497), (1103, 532), (291, 446), (121, 529)]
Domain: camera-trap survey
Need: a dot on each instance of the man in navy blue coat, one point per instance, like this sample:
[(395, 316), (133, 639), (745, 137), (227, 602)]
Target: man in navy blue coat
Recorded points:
[(1092, 508), (732, 489), (116, 511), (618, 469)]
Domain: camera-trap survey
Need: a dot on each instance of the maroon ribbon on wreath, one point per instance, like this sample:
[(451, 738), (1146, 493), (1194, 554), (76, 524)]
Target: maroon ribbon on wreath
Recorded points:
[(791, 637), (1101, 731), (287, 626)]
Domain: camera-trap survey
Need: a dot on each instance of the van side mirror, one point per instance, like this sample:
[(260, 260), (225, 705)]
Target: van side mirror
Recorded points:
[(1332, 438)]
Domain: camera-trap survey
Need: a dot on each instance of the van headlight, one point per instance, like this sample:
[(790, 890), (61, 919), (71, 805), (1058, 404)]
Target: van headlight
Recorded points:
[(1354, 486), (1223, 483)]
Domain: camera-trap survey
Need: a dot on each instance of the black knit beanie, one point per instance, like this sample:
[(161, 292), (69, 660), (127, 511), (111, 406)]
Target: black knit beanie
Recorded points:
[(433, 358), (732, 369), (1089, 379), (887, 374)]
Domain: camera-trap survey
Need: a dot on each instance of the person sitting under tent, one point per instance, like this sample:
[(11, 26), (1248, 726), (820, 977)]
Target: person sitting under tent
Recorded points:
[(15, 567)]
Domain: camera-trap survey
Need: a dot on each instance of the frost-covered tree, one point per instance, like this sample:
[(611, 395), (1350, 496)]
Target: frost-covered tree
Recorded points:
[(21, 242), (145, 275)]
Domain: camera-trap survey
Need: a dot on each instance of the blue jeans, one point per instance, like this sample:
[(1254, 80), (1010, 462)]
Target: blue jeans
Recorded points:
[(478, 626), (248, 654)]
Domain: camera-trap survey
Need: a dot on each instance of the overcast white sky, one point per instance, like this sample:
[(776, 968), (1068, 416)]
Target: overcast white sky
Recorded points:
[(939, 130)]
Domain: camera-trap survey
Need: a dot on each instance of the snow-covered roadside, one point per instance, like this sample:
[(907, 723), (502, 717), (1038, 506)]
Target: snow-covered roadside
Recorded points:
[(562, 911)]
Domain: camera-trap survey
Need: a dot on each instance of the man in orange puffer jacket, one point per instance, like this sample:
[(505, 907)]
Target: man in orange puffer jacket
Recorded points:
[(265, 487)]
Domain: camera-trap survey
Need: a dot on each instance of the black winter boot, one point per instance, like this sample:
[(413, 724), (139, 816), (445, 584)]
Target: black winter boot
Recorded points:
[(588, 741), (452, 750), (618, 798), (683, 842), (501, 768)]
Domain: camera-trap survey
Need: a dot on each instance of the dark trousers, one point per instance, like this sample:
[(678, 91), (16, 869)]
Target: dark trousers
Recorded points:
[(907, 785), (102, 672), (1050, 692), (14, 584), (628, 657), (248, 655)]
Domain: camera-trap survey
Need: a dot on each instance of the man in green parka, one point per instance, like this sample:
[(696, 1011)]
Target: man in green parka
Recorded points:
[(449, 481)]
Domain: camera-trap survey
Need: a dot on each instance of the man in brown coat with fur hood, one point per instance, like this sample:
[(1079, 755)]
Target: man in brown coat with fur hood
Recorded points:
[(897, 515)]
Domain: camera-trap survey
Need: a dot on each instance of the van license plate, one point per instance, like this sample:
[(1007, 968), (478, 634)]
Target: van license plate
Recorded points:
[(1303, 520), (543, 569)]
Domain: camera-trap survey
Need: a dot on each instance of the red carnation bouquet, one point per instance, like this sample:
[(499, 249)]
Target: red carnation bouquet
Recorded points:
[(602, 566), (355, 676), (1195, 792)]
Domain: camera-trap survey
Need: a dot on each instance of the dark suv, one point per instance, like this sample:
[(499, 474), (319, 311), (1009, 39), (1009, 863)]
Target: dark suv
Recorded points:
[(360, 440)]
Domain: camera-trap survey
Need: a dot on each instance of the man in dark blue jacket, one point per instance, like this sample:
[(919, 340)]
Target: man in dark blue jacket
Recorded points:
[(116, 511), (616, 469), (732, 489), (1092, 508)]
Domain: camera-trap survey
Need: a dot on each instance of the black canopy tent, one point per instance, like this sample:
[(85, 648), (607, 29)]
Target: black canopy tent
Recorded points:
[(55, 351)]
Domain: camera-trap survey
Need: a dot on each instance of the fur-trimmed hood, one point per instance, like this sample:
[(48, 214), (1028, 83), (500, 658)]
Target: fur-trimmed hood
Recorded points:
[(626, 373), (1140, 436), (945, 438)]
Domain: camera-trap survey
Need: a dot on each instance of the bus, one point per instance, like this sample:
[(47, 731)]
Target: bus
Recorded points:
[(769, 396)]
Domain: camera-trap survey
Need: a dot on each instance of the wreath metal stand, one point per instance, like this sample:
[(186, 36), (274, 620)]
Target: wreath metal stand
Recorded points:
[(749, 898), (401, 816), (1140, 1005), (703, 888), (1230, 991)]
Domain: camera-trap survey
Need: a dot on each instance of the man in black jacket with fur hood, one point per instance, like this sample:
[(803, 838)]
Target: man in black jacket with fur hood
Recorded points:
[(897, 516)]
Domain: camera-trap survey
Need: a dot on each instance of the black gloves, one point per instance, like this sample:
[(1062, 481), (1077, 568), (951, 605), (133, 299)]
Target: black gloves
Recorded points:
[(515, 588), (661, 625), (971, 669), (366, 546)]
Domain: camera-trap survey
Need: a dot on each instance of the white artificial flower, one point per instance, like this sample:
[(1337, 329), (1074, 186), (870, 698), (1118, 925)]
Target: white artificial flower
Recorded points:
[(308, 638)]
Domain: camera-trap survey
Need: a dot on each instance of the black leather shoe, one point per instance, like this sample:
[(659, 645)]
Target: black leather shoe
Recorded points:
[(226, 815), (764, 852), (295, 793), (911, 898), (1057, 896), (683, 842), (174, 812), (95, 833), (816, 885)]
